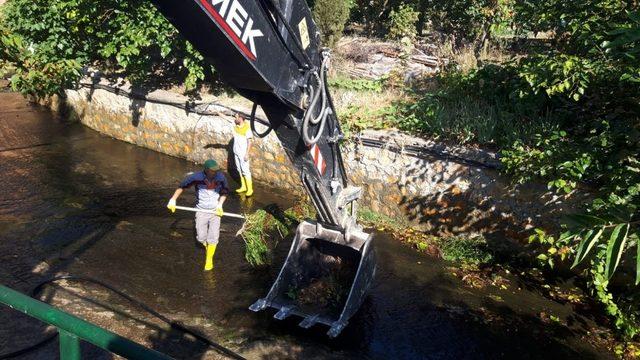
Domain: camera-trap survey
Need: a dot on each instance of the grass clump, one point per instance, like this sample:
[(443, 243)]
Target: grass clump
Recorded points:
[(368, 85), (471, 250), (300, 211), (262, 228), (370, 218), (256, 233)]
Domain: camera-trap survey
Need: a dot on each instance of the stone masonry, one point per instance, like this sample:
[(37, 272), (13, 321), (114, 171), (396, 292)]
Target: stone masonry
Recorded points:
[(437, 193)]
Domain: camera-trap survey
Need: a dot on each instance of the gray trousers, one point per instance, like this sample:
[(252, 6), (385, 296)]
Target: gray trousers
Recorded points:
[(207, 228)]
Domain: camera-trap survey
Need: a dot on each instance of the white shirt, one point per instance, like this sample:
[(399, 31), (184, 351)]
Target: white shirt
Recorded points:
[(241, 136)]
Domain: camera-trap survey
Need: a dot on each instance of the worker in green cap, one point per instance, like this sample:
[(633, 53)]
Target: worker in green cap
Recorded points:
[(211, 191)]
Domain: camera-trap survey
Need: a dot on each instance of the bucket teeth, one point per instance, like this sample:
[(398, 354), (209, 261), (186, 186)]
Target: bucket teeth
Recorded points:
[(284, 312), (309, 321), (336, 328), (260, 304)]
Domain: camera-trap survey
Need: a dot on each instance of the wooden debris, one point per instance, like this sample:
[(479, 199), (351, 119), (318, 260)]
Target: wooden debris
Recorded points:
[(374, 60)]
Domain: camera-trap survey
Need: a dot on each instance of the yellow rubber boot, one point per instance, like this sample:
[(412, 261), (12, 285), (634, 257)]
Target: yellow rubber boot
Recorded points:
[(243, 186), (208, 264), (249, 186)]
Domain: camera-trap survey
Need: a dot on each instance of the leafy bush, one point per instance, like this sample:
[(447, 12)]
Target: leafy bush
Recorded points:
[(373, 14), (577, 27), (50, 42), (458, 19), (402, 23), (35, 73), (567, 114), (330, 16), (491, 105), (596, 82), (465, 19)]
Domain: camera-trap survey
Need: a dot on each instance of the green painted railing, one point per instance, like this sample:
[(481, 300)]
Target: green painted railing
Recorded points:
[(72, 330)]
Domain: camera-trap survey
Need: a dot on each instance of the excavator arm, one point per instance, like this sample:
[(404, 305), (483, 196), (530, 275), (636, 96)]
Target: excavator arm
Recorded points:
[(269, 51)]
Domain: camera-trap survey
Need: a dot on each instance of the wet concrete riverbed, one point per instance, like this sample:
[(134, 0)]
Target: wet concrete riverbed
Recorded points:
[(75, 202)]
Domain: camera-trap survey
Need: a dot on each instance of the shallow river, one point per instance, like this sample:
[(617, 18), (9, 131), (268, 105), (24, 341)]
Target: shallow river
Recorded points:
[(74, 201)]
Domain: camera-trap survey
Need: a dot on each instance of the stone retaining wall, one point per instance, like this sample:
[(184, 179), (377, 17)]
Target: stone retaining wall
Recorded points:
[(449, 192)]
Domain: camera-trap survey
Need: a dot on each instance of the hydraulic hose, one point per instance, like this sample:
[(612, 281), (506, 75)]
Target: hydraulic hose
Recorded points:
[(174, 325), (320, 91), (252, 122)]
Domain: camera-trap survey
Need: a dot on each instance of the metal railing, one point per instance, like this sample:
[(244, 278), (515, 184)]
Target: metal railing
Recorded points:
[(72, 330)]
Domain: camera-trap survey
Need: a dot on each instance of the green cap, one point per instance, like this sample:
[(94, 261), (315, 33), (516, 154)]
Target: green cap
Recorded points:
[(211, 164)]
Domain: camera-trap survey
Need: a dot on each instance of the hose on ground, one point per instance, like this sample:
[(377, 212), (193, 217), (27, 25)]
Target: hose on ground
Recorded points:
[(174, 325)]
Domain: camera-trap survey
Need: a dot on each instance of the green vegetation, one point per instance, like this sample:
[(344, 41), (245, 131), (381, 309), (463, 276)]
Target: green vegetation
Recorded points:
[(300, 211), (368, 217), (254, 234), (478, 107), (460, 20), (357, 84), (262, 229), (564, 110), (402, 23), (566, 113), (49, 43), (330, 16), (258, 229), (466, 250), (580, 97), (470, 250)]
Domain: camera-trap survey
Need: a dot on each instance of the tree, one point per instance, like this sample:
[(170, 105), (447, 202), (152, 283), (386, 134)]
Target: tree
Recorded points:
[(49, 42), (331, 16)]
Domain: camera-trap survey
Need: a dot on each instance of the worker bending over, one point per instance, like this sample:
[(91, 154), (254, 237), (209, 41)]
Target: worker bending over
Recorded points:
[(242, 139), (211, 192)]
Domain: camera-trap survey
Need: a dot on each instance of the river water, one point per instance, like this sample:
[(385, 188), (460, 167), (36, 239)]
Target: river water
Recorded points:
[(75, 202)]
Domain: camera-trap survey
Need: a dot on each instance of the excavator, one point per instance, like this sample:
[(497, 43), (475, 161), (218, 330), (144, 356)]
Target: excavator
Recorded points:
[(270, 52)]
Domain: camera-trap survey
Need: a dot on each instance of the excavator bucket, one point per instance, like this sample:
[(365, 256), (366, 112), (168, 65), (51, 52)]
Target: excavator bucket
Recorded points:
[(324, 279)]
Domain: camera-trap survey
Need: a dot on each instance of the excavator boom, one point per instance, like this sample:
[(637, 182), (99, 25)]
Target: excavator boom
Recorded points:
[(269, 51)]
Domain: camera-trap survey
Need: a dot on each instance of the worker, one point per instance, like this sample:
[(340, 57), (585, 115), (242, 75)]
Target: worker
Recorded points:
[(242, 139), (211, 191)]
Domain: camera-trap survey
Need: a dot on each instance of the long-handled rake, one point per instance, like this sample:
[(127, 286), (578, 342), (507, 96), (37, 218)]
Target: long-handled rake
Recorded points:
[(209, 211)]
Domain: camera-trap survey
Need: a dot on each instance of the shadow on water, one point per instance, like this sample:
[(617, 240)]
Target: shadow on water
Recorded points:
[(93, 206)]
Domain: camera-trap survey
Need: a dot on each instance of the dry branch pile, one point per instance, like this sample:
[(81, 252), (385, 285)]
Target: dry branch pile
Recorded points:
[(367, 59)]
